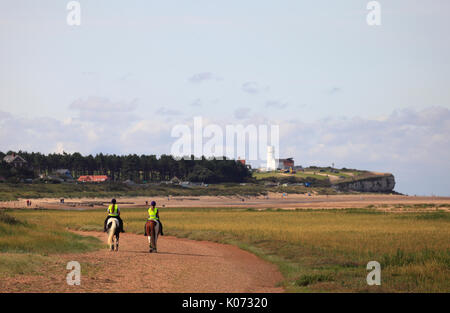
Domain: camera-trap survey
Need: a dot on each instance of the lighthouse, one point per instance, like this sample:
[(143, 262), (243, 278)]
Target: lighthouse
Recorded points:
[(271, 164)]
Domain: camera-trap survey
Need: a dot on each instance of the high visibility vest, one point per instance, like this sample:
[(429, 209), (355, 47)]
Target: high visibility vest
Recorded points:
[(152, 214), (113, 212)]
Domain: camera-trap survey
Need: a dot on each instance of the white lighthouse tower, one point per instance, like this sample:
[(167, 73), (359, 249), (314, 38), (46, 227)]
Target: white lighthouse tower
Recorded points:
[(271, 164)]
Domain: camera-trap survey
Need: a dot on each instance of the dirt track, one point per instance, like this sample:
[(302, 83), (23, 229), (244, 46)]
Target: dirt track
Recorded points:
[(180, 265)]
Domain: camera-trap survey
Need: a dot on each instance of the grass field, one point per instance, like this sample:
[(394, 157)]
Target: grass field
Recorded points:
[(25, 246), (314, 173), (315, 250), (262, 175)]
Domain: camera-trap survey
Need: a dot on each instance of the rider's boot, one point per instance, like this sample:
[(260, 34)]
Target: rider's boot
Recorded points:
[(121, 227)]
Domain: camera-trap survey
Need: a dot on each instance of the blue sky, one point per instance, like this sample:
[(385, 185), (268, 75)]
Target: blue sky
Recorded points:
[(366, 97)]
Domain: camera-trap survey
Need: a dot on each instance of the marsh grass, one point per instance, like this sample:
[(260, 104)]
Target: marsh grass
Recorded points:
[(19, 263), (25, 246), (434, 216), (8, 219), (316, 250), (310, 279)]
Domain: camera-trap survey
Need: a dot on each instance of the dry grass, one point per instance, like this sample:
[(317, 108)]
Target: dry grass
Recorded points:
[(25, 247)]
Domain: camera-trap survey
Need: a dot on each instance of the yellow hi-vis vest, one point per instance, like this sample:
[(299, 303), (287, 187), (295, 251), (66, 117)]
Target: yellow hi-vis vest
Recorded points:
[(113, 212), (152, 214)]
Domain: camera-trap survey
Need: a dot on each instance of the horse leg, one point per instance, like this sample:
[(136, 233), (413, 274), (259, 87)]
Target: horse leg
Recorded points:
[(110, 240), (111, 232), (117, 241), (147, 231), (153, 233), (156, 235)]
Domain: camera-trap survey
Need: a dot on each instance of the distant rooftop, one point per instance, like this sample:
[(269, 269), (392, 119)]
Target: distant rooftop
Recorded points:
[(14, 158)]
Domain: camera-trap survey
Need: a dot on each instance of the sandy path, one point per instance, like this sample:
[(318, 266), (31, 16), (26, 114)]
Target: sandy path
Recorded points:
[(180, 265)]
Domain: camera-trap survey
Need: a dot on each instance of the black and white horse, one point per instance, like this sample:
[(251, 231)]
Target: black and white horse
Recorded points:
[(113, 232)]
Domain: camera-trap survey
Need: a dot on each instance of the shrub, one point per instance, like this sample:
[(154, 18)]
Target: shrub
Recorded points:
[(8, 219)]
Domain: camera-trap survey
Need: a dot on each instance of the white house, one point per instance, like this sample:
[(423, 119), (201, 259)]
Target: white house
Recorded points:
[(15, 160)]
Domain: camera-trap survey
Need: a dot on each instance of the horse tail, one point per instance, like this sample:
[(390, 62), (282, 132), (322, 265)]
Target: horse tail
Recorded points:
[(111, 232)]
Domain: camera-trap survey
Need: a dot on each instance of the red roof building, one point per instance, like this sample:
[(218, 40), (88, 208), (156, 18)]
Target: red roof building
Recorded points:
[(285, 164), (93, 178)]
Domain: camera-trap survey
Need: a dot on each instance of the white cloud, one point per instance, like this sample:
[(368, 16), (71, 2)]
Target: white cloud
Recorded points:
[(413, 145), (104, 115), (4, 115), (204, 103), (276, 104), (242, 113), (98, 104), (204, 76), (334, 90), (254, 88), (166, 111), (196, 103)]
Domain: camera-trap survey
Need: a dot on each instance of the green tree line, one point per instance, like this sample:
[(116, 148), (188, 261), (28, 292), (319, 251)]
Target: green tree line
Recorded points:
[(138, 168)]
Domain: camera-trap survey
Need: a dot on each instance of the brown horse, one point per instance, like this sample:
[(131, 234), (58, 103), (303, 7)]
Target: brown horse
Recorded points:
[(152, 231)]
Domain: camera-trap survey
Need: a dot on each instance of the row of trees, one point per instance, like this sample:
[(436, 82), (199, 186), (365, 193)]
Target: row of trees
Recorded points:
[(13, 174), (137, 168)]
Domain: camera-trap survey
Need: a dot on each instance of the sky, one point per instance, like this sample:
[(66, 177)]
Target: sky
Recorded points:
[(341, 91)]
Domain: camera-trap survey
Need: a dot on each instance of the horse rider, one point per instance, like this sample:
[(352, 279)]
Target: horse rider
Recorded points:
[(153, 215), (113, 211)]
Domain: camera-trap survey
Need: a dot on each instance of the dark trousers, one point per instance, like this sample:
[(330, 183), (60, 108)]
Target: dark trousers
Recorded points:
[(120, 222)]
